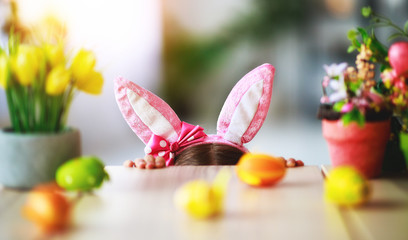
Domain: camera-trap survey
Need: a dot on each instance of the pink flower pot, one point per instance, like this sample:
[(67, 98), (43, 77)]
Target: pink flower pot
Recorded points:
[(360, 147)]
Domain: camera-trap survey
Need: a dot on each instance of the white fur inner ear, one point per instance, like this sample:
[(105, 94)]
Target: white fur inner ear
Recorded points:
[(150, 116), (244, 113)]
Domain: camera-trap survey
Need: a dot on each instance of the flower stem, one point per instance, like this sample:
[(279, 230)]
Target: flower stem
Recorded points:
[(12, 110), (380, 21)]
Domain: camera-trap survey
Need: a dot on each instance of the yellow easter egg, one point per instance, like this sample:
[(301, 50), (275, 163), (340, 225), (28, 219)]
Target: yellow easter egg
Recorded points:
[(345, 186), (197, 198)]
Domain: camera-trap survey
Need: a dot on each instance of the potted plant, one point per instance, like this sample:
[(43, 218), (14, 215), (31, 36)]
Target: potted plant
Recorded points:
[(393, 62), (356, 120), (40, 81), (358, 106), (395, 80)]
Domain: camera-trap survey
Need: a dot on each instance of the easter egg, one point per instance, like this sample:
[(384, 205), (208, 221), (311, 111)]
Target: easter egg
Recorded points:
[(197, 198), (82, 174), (398, 57), (260, 169), (201, 199), (346, 186), (48, 209)]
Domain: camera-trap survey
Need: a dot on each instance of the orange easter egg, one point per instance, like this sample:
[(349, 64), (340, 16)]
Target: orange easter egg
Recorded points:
[(47, 208), (260, 169)]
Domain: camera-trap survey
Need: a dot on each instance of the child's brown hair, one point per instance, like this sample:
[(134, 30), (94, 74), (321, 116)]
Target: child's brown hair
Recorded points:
[(209, 154)]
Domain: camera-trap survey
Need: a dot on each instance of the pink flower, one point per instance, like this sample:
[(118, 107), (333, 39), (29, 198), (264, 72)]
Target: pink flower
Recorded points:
[(398, 57), (347, 108), (324, 99), (326, 81), (400, 85)]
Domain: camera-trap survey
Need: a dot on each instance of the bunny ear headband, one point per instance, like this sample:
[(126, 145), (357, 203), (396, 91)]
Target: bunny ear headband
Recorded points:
[(158, 126)]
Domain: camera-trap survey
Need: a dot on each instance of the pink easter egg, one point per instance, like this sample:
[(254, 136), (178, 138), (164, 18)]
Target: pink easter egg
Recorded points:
[(398, 56)]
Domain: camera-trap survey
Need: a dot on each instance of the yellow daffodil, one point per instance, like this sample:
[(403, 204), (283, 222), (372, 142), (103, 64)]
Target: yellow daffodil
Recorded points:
[(3, 70), (82, 64), (57, 80), (91, 83), (54, 54), (85, 77), (25, 63), (30, 71)]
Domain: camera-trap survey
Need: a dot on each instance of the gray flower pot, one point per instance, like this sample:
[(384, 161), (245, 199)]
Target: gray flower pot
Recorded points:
[(27, 159)]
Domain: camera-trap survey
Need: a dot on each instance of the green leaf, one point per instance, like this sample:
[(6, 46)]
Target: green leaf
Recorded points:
[(354, 86), (406, 27), (346, 118), (381, 89), (383, 67), (353, 116), (350, 49), (366, 11), (379, 49), (363, 33), (352, 34), (360, 119), (338, 106), (356, 44), (369, 41)]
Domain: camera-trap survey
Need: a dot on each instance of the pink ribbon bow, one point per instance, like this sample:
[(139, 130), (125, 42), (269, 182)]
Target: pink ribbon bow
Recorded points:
[(159, 146)]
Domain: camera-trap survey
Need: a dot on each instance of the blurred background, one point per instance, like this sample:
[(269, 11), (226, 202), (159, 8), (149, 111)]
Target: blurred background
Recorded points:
[(191, 53)]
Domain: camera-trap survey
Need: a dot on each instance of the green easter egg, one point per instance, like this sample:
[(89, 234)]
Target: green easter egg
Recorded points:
[(81, 174)]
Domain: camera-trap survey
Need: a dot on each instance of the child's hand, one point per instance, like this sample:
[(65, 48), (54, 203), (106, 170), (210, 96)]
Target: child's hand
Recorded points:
[(291, 162), (148, 162)]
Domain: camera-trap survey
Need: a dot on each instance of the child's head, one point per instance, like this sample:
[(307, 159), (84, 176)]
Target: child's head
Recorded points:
[(180, 143), (209, 154)]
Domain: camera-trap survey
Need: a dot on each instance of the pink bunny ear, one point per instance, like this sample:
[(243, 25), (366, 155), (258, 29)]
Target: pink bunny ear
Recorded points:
[(146, 113), (247, 105)]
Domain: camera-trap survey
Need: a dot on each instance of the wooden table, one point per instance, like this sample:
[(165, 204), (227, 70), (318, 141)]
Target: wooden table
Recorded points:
[(138, 204)]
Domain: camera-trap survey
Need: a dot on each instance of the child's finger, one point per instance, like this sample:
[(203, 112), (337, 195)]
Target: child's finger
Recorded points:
[(149, 161), (291, 162), (283, 160), (128, 163), (160, 162), (140, 163)]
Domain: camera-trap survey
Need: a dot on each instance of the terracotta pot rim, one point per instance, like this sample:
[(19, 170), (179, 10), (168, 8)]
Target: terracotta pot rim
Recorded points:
[(330, 127), (353, 123)]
